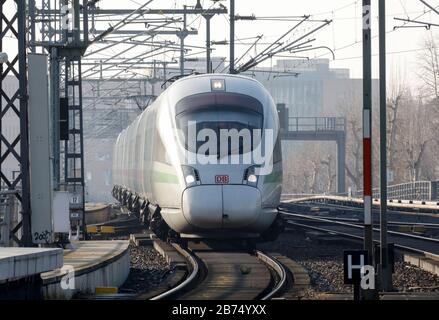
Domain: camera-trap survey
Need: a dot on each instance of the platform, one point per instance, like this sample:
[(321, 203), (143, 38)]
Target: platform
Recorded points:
[(427, 262), (16, 263), (88, 265), (384, 296)]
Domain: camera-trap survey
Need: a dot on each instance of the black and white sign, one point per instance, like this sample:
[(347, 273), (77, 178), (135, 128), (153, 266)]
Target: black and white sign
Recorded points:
[(353, 262)]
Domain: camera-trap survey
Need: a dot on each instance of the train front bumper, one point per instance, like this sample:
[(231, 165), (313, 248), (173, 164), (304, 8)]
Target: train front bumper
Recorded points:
[(223, 207)]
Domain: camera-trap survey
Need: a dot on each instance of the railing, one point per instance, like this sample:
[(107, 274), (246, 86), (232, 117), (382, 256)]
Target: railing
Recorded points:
[(316, 124), (418, 190), (8, 215), (297, 195)]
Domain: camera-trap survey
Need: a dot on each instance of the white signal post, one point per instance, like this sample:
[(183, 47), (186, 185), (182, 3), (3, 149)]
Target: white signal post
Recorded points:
[(367, 133)]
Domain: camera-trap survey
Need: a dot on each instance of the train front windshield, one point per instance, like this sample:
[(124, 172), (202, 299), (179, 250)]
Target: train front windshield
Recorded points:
[(231, 121)]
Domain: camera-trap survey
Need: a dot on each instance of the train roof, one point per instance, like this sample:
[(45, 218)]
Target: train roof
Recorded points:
[(214, 75)]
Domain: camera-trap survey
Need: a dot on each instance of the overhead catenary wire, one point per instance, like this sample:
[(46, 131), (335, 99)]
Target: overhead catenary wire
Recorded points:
[(349, 45), (121, 23), (282, 48), (132, 60), (252, 44), (141, 33)]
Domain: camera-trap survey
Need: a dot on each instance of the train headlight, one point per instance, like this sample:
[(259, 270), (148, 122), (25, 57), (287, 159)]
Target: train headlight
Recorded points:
[(190, 179), (191, 176), (218, 84), (250, 177)]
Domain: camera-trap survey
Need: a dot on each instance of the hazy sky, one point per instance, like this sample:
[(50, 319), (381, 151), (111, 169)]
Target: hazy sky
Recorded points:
[(343, 35)]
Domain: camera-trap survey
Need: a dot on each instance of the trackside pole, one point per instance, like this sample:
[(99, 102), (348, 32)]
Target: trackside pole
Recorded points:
[(385, 271), (367, 133), (232, 37), (357, 292)]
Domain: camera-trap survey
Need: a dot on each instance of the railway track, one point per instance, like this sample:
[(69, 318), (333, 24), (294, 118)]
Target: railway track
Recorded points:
[(405, 241), (190, 279), (224, 271), (406, 222), (402, 206), (344, 209), (376, 223)]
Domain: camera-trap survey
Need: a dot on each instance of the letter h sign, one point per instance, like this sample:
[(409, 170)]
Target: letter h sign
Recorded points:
[(353, 262)]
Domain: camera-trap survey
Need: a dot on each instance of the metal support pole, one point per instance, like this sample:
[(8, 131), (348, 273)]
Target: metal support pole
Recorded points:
[(367, 129), (76, 23), (385, 270), (164, 74), (341, 164), (26, 239), (66, 94), (32, 26), (208, 49), (85, 21), (154, 78), (65, 32), (101, 78), (81, 146), (232, 37), (182, 37), (54, 94)]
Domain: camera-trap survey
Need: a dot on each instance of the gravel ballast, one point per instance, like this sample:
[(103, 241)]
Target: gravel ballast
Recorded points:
[(148, 270), (323, 260)]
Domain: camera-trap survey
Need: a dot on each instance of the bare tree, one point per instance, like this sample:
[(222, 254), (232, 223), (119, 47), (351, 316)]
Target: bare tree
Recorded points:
[(396, 92), (310, 169), (429, 68), (330, 175), (315, 168), (418, 135)]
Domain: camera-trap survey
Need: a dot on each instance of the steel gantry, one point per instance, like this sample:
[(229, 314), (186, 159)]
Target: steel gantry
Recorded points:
[(15, 147), (181, 34), (317, 129), (63, 35)]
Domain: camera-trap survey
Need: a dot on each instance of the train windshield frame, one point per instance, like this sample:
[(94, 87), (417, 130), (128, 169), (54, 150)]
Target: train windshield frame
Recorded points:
[(217, 111)]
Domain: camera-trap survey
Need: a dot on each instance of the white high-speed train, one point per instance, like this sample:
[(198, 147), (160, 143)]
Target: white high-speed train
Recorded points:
[(171, 166)]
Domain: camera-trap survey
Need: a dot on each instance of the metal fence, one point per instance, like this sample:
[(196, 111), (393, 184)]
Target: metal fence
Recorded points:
[(419, 190), (9, 207)]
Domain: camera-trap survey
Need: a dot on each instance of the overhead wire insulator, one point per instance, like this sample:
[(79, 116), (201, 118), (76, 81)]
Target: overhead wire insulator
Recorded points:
[(252, 17)]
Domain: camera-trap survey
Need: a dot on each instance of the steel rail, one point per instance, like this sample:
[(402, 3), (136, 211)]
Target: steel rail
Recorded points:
[(352, 236), (279, 269), (359, 226), (390, 209), (391, 223), (188, 281)]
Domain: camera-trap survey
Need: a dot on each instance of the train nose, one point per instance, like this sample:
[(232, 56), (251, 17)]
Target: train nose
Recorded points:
[(225, 206), (202, 206), (241, 205)]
